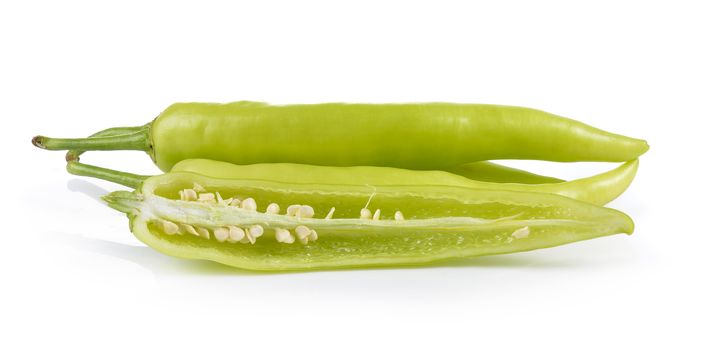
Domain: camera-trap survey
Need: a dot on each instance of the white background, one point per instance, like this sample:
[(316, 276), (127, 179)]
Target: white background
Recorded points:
[(72, 275)]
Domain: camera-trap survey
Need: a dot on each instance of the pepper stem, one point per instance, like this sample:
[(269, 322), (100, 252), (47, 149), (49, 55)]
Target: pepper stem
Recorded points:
[(114, 139), (118, 177), (74, 155)]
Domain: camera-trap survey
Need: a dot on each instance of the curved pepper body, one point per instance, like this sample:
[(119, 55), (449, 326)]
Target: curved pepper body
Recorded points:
[(439, 222), (413, 136), (599, 189)]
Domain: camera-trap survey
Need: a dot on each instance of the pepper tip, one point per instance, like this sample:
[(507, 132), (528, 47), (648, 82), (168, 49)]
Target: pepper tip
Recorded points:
[(644, 147)]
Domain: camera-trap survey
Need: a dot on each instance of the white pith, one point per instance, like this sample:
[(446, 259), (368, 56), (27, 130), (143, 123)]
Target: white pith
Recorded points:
[(204, 214)]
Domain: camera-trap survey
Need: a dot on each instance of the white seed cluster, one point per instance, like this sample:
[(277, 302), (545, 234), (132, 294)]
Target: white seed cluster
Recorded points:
[(300, 211), (366, 214), (305, 234), (235, 234), (231, 234)]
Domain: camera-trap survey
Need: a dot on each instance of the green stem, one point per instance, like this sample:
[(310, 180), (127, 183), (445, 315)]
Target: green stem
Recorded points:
[(119, 177), (74, 155), (138, 140)]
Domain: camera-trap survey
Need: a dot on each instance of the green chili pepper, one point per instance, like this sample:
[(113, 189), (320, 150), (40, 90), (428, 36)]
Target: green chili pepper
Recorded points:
[(414, 136), (481, 170), (599, 189), (268, 225)]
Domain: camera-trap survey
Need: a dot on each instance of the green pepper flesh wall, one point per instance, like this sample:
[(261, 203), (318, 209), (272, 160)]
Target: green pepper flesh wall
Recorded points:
[(412, 136), (266, 225)]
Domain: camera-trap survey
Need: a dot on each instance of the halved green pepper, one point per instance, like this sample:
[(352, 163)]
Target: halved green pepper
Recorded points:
[(189, 215), (598, 189)]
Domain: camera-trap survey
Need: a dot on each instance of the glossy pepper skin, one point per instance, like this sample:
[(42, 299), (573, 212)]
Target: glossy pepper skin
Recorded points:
[(412, 136), (493, 172), (598, 189), (440, 222), (481, 170)]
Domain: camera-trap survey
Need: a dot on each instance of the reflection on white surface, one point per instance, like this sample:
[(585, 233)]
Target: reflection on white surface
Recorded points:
[(87, 188), (160, 264)]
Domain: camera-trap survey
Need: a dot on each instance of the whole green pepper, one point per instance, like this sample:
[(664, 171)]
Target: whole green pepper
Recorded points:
[(413, 136), (599, 189), (481, 170), (269, 225)]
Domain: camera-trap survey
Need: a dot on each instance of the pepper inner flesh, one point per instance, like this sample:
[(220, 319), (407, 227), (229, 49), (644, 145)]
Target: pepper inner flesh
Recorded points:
[(233, 217), (248, 215), (402, 224)]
